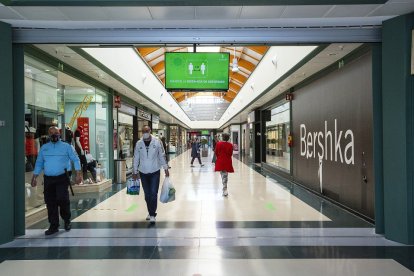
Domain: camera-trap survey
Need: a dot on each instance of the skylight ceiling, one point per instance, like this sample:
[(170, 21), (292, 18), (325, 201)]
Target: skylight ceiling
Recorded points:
[(204, 107)]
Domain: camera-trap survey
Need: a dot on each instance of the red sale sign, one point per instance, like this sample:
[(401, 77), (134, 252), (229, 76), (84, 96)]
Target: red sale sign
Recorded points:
[(83, 125)]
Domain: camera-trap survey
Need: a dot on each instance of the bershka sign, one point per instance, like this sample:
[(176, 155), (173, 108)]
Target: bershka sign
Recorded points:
[(328, 144), (333, 125)]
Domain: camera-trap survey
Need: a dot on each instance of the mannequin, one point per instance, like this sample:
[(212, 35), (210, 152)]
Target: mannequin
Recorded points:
[(32, 146), (91, 167), (68, 135), (80, 151)]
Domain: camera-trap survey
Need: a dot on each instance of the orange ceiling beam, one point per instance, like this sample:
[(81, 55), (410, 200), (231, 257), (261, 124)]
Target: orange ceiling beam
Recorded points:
[(236, 84), (178, 94), (180, 99), (238, 77), (227, 98), (234, 87), (159, 67), (244, 63), (147, 50), (259, 49), (246, 54), (231, 94)]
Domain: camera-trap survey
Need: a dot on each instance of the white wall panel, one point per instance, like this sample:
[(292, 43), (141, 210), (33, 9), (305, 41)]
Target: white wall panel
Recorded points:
[(266, 74)]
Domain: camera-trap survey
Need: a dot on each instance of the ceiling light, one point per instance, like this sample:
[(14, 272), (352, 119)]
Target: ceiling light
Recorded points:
[(274, 61), (235, 66)]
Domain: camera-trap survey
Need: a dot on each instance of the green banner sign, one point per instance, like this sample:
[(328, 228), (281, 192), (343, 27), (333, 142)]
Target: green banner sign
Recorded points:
[(197, 71)]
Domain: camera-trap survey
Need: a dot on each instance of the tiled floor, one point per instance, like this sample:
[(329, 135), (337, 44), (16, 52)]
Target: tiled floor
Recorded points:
[(266, 226)]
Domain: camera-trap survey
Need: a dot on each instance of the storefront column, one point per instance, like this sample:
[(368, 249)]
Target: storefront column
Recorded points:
[(263, 136), (377, 137), (18, 134), (256, 143), (398, 129), (7, 153), (135, 137), (111, 162)]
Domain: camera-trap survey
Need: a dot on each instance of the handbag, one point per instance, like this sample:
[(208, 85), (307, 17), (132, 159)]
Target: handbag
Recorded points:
[(28, 166)]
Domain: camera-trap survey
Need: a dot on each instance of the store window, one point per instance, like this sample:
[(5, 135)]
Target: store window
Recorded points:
[(277, 132), (79, 110), (144, 119), (42, 110), (102, 132), (173, 143), (183, 144), (86, 124), (126, 136)]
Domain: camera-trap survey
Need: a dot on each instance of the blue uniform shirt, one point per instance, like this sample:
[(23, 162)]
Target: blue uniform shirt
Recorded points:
[(53, 158)]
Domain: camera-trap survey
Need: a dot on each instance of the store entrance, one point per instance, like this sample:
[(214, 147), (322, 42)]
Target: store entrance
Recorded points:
[(79, 110)]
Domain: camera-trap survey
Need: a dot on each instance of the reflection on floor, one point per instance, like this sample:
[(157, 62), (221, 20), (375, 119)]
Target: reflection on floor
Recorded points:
[(208, 267), (264, 225), (252, 197)]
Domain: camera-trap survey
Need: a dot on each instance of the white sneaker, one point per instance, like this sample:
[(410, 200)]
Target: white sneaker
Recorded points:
[(148, 217), (152, 219), (225, 193)]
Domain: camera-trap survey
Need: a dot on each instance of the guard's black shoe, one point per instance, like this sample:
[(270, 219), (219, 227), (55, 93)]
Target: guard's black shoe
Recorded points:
[(68, 226), (51, 231)]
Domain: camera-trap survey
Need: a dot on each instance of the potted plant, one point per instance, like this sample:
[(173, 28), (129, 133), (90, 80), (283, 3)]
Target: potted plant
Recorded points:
[(204, 149)]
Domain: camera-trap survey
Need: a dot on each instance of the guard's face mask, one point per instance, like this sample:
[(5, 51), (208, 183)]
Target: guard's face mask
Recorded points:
[(54, 138)]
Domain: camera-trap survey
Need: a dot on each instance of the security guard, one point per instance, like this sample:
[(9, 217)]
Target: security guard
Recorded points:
[(53, 158)]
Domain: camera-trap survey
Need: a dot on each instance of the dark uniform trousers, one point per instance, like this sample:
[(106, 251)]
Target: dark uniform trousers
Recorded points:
[(57, 196)]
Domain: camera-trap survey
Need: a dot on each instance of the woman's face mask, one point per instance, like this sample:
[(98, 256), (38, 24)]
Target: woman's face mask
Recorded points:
[(54, 138)]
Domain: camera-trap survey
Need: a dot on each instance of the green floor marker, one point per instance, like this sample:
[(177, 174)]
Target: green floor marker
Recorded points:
[(270, 207), (132, 208)]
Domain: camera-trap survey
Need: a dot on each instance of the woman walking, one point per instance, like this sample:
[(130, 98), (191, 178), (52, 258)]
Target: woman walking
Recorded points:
[(224, 164)]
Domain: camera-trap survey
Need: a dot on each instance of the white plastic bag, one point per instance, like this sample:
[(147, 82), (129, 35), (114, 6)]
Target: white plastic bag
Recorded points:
[(167, 191)]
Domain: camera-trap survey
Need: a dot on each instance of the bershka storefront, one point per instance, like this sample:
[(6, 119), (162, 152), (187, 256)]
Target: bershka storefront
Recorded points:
[(332, 132)]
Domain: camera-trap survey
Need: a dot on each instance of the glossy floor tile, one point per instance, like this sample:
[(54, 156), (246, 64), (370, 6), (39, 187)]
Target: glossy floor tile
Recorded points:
[(203, 267), (266, 226), (252, 197)]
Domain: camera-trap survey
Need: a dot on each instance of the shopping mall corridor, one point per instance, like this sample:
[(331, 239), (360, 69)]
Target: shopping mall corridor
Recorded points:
[(266, 226)]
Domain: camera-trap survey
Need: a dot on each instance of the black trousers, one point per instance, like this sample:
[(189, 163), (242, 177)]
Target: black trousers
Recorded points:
[(91, 167), (150, 184), (84, 165), (57, 196), (198, 157)]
